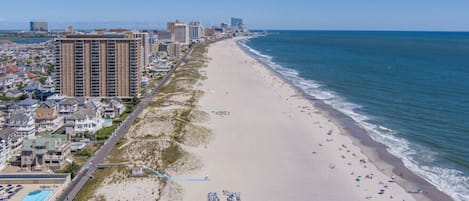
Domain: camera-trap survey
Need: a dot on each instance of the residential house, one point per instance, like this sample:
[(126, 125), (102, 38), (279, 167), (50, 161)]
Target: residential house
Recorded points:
[(23, 78), (56, 98), (68, 107), (83, 121), (14, 93), (48, 119), (8, 134), (2, 119), (51, 104), (28, 105), (32, 87), (8, 106), (5, 148), (49, 85), (9, 81), (51, 151), (113, 108), (22, 122)]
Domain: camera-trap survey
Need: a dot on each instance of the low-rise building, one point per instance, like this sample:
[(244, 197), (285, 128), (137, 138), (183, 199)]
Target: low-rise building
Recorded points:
[(28, 105), (9, 135), (113, 108), (5, 147), (14, 93), (51, 104), (82, 121), (51, 151), (48, 119), (68, 107), (9, 81), (22, 122), (2, 119)]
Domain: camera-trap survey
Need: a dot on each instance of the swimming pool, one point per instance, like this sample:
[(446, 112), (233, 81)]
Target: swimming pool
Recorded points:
[(38, 195)]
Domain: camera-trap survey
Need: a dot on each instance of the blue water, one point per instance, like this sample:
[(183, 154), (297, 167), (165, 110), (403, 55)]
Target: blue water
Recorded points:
[(38, 195), (29, 40), (409, 90)]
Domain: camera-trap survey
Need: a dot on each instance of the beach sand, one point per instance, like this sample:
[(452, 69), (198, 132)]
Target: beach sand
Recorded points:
[(271, 143)]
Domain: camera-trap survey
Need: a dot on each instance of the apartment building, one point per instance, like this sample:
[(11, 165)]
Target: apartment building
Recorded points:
[(98, 65), (182, 34), (196, 31), (49, 150)]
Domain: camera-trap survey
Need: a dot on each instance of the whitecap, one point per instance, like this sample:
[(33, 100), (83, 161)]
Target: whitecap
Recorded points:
[(451, 181)]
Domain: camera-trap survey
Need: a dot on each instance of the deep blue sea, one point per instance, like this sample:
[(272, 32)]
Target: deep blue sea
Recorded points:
[(409, 90)]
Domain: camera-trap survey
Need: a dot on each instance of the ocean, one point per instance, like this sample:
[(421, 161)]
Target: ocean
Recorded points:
[(409, 90), (29, 40)]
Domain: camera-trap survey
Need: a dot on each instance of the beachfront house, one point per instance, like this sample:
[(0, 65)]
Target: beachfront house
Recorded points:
[(112, 108), (83, 121), (51, 151)]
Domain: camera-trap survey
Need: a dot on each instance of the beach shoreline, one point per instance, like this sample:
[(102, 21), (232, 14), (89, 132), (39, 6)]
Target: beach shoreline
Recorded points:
[(304, 156), (376, 152)]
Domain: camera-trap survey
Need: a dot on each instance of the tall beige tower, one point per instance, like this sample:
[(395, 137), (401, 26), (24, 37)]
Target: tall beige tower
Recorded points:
[(171, 25), (98, 65)]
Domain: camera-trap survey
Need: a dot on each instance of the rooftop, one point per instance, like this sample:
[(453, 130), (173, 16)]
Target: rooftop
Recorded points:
[(45, 113), (50, 142), (27, 102)]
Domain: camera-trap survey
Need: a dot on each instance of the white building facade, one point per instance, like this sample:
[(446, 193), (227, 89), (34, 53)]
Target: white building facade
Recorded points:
[(182, 33)]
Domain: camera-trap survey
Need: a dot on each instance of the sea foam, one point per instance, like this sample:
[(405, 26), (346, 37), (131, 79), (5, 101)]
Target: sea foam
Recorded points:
[(451, 181)]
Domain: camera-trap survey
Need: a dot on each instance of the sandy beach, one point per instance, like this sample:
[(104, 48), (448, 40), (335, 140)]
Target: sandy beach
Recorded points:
[(271, 143)]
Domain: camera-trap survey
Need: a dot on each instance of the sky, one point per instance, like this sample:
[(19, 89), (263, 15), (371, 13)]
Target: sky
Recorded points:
[(426, 15)]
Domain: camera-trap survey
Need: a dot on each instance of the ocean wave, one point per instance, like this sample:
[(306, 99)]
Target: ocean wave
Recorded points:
[(451, 181)]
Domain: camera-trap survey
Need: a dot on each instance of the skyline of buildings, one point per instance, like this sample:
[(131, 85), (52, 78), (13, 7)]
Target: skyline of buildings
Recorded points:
[(38, 26)]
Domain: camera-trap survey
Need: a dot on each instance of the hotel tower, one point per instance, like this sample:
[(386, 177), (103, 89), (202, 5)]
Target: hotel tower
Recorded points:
[(98, 65)]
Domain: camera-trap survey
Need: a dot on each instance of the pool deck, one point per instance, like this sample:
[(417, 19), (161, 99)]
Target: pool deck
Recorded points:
[(27, 188)]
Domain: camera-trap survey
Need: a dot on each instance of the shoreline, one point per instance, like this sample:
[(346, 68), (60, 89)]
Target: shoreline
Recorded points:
[(304, 156), (376, 152)]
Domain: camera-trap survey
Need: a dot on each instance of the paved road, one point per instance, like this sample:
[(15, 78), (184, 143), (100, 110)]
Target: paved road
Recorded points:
[(91, 165)]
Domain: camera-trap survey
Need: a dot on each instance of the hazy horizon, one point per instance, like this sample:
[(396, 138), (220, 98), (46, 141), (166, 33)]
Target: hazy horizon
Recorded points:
[(399, 15)]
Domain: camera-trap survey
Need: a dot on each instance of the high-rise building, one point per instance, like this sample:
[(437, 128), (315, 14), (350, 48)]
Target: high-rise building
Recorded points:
[(182, 33), (145, 48), (235, 22), (171, 25), (196, 30), (165, 35), (98, 65), (237, 25), (209, 31), (38, 26)]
